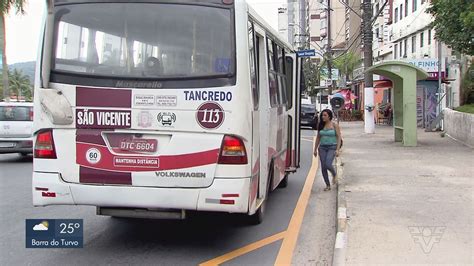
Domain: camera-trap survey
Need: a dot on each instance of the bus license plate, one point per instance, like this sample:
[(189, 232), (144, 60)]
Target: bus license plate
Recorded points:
[(139, 145)]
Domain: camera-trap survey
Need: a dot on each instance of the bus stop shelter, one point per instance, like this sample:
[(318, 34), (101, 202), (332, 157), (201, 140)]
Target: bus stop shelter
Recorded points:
[(404, 77)]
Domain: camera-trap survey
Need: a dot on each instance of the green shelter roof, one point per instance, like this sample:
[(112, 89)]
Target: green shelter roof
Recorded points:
[(397, 70)]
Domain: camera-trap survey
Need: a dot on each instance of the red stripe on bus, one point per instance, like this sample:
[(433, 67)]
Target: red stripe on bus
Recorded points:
[(94, 176), (170, 162), (165, 162), (94, 97)]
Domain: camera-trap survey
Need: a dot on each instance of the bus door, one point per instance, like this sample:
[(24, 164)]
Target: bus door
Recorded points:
[(299, 87), (294, 67), (264, 113)]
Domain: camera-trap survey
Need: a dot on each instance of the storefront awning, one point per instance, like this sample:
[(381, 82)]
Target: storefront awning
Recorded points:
[(383, 84)]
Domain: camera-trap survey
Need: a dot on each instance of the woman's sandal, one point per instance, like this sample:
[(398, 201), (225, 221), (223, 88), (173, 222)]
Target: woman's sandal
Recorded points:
[(327, 189)]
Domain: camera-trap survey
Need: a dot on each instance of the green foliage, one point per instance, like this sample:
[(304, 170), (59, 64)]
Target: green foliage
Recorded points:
[(347, 63), (467, 108), (19, 84), (467, 86), (454, 23), (28, 68), (311, 75), (6, 5)]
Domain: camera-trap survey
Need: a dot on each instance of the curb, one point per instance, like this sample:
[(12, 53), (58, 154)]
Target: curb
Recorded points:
[(339, 256), (458, 141)]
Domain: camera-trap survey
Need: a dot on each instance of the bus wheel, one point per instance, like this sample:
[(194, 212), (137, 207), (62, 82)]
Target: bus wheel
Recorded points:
[(284, 182)]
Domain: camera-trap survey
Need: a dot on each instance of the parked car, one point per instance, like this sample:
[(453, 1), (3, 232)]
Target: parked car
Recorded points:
[(309, 116), (16, 123), (306, 100)]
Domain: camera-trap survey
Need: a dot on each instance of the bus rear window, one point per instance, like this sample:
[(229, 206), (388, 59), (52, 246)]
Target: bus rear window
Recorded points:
[(143, 40), (16, 113)]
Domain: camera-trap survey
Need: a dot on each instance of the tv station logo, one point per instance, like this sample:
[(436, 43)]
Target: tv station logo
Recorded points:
[(54, 233)]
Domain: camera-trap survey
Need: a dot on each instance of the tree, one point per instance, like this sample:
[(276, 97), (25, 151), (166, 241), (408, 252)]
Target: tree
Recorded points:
[(311, 76), (346, 64), (454, 23), (5, 7), (20, 84), (467, 86)]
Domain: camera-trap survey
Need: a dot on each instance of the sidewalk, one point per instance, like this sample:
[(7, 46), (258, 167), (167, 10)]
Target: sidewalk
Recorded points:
[(407, 205)]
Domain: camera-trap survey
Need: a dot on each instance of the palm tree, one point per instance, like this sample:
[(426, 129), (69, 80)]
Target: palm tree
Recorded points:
[(20, 84), (5, 7)]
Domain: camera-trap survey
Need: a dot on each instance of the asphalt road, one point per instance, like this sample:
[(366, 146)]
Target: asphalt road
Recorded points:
[(200, 238)]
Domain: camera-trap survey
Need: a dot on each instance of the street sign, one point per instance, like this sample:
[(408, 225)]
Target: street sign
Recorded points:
[(306, 53), (430, 65)]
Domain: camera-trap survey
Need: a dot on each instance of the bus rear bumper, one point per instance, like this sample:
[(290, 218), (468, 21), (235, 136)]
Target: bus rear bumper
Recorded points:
[(224, 195)]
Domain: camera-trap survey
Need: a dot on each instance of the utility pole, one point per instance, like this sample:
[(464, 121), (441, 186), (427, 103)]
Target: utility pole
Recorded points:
[(440, 79), (329, 53), (367, 37)]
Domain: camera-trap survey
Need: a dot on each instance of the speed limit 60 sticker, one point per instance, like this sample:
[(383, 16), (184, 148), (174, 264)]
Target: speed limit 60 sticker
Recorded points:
[(93, 155), (210, 115)]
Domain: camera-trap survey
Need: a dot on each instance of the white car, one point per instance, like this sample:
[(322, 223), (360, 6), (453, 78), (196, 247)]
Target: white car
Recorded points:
[(16, 122)]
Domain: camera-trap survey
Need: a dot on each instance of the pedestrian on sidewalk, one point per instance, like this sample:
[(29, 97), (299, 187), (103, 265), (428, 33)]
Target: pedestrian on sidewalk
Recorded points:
[(328, 143)]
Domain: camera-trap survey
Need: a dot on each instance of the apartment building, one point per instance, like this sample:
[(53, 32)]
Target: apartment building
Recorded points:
[(283, 22), (353, 24), (403, 32), (293, 23), (382, 39), (411, 34)]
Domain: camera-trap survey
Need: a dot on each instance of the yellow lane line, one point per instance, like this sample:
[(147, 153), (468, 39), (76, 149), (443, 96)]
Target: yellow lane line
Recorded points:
[(289, 242), (289, 237), (243, 250)]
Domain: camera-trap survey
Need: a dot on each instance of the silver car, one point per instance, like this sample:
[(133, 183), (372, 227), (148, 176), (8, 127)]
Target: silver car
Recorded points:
[(16, 122)]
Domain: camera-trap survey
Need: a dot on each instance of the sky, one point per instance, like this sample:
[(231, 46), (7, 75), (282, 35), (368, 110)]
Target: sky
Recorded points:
[(23, 31)]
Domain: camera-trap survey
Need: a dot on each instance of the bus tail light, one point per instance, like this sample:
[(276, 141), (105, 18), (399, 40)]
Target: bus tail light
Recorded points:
[(44, 147), (232, 151)]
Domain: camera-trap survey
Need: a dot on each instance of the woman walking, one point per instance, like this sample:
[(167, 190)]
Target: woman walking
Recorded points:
[(328, 143)]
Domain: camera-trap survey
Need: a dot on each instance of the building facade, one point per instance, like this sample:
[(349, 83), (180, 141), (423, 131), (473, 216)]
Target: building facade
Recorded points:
[(283, 22), (293, 23), (382, 45), (403, 32)]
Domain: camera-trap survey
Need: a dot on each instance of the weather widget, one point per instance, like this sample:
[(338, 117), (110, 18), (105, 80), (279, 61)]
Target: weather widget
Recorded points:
[(54, 233)]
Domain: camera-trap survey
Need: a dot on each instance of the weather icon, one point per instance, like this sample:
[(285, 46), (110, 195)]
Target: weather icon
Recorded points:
[(43, 226)]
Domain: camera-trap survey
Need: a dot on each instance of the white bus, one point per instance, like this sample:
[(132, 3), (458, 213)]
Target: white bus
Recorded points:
[(153, 108)]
